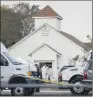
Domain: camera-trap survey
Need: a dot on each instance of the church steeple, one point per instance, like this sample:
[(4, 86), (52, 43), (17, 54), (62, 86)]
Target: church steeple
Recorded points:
[(49, 16)]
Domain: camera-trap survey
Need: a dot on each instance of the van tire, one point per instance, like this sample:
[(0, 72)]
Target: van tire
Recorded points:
[(26, 92), (20, 91), (83, 92), (15, 93)]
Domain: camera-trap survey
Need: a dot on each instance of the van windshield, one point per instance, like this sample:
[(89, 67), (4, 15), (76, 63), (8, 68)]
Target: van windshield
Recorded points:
[(12, 59)]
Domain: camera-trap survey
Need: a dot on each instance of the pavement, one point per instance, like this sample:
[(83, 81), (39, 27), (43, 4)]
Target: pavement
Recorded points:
[(47, 92)]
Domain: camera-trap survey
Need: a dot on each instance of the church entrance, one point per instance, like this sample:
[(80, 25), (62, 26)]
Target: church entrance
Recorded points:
[(47, 71), (48, 64), (46, 68)]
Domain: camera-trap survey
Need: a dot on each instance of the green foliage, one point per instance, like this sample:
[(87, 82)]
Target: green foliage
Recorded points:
[(26, 12), (10, 26), (16, 22)]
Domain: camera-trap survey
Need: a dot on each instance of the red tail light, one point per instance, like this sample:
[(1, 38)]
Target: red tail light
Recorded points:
[(85, 75)]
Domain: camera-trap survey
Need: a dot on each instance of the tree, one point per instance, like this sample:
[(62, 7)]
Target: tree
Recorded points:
[(10, 26), (74, 60), (26, 12), (16, 22), (90, 43), (89, 38)]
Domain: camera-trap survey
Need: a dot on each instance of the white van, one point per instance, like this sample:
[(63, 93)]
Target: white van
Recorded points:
[(15, 71)]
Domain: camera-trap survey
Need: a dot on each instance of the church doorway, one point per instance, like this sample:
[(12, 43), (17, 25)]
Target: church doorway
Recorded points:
[(48, 64)]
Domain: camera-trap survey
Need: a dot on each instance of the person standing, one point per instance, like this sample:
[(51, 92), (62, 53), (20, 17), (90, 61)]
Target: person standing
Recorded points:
[(47, 69), (43, 72), (50, 74), (38, 73)]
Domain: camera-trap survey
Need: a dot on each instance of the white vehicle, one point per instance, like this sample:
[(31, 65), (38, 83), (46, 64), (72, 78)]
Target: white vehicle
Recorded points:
[(14, 71), (74, 75), (70, 73)]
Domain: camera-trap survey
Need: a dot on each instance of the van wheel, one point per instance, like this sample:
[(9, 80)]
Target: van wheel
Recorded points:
[(19, 91), (78, 90)]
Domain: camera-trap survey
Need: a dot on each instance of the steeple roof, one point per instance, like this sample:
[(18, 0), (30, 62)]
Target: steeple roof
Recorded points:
[(47, 12)]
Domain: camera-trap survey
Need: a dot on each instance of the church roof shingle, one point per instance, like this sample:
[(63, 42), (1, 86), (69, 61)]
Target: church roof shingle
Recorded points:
[(47, 12)]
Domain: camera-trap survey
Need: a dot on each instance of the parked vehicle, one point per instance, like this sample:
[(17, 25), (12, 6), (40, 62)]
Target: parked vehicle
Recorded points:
[(61, 70), (75, 75), (14, 71), (87, 79)]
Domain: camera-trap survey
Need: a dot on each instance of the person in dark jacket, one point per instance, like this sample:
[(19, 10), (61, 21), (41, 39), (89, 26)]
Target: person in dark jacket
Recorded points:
[(38, 73)]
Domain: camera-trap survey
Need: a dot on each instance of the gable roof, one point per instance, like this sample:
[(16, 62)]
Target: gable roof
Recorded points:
[(70, 37), (47, 12), (75, 40), (42, 45)]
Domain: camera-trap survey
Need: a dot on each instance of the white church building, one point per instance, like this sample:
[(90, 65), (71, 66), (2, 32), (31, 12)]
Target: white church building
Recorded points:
[(48, 44)]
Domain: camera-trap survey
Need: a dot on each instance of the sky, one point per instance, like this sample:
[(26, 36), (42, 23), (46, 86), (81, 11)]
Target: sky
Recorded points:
[(77, 15)]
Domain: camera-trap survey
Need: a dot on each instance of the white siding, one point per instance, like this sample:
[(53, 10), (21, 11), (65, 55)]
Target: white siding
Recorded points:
[(54, 22), (58, 24), (67, 48), (57, 41), (44, 53)]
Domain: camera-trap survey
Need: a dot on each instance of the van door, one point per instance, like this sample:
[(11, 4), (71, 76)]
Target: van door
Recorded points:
[(5, 70)]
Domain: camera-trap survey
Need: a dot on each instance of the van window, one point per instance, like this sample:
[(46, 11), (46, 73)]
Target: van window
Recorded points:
[(11, 59), (3, 61)]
